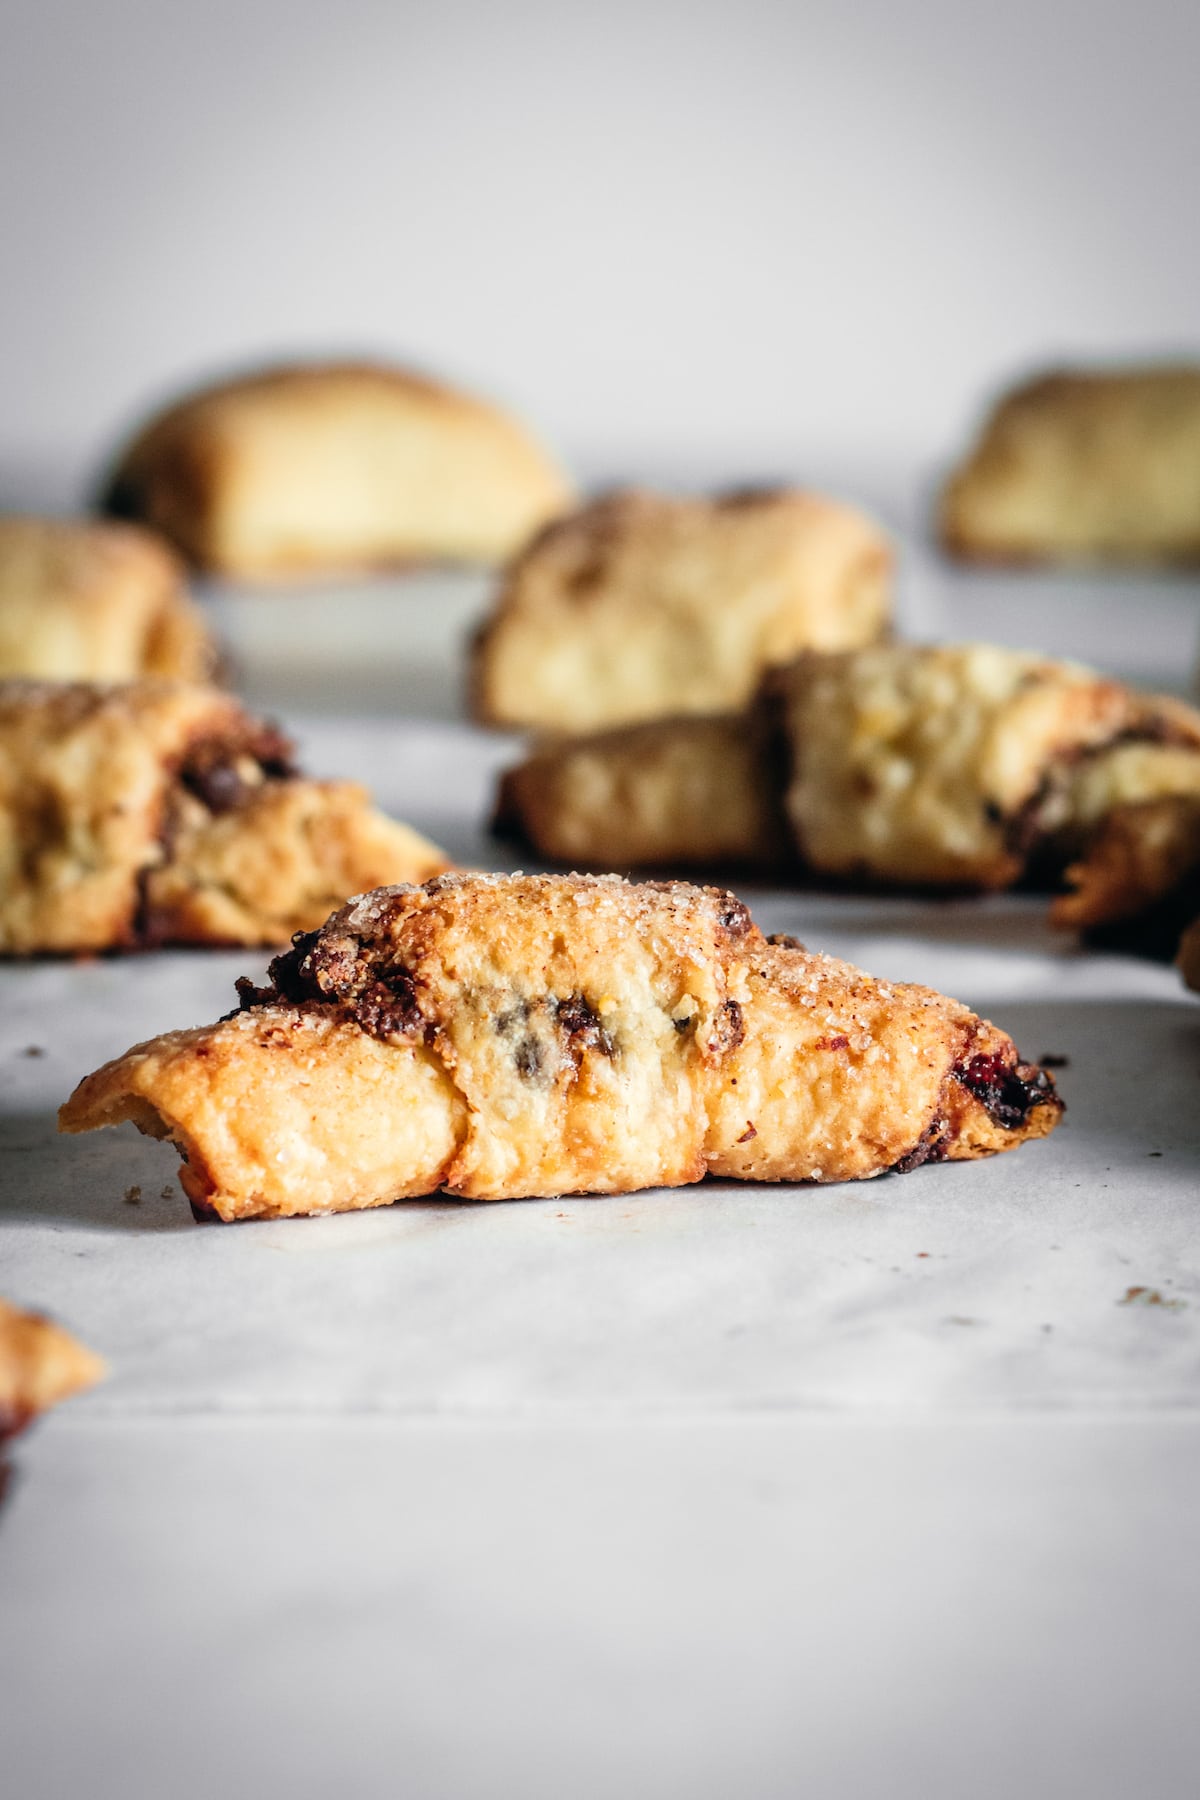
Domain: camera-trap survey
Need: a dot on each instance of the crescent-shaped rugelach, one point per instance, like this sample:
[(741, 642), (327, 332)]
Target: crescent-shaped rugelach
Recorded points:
[(507, 1036), (640, 605), (153, 812), (317, 468), (965, 767), (92, 600), (1084, 466), (40, 1364)]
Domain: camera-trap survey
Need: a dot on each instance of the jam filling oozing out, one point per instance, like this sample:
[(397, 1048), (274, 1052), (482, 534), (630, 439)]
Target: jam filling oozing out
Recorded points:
[(1008, 1093)]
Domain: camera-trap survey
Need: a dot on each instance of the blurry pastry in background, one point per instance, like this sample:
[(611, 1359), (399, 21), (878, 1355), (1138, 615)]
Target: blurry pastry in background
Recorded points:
[(965, 767), (159, 813), (328, 468), (89, 600), (504, 1036), (40, 1364), (1141, 869), (1083, 466), (968, 765), (641, 606), (1188, 957), (690, 792)]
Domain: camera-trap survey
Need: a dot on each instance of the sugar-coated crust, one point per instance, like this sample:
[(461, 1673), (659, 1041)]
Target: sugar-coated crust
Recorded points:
[(687, 792), (155, 811), (95, 600), (1084, 466), (312, 468), (941, 766), (639, 606), (508, 1036), (40, 1364)]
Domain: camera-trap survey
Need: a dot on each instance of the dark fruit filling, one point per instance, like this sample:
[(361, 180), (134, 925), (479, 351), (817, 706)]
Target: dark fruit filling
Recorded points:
[(1007, 1092)]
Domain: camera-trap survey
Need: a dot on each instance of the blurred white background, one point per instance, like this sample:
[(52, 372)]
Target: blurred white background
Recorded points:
[(743, 239)]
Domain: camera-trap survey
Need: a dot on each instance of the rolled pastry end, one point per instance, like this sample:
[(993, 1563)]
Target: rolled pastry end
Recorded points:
[(40, 1364), (278, 1112)]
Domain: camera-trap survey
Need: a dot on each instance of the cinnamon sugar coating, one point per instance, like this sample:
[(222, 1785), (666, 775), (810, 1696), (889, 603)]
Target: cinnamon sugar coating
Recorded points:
[(510, 1036)]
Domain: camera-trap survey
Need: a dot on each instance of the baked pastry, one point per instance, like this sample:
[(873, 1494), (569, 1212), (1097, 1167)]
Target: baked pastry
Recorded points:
[(95, 601), (1188, 957), (330, 467), (959, 766), (154, 812), (507, 1036), (963, 767), (1143, 865), (686, 792), (1084, 466), (40, 1364), (641, 607)]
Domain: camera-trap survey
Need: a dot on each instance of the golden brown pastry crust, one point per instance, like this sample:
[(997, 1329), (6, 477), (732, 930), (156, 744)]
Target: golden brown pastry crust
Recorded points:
[(326, 467), (685, 792), (643, 607), (40, 1364), (507, 1036), (947, 766), (1140, 856), (156, 812), (95, 601), (1084, 467)]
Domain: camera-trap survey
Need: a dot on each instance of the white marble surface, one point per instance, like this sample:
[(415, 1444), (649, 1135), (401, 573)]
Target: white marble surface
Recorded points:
[(872, 1490)]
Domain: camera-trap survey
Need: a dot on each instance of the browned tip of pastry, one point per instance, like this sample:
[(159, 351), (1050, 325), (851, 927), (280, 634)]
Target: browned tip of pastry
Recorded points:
[(40, 1364), (1139, 876)]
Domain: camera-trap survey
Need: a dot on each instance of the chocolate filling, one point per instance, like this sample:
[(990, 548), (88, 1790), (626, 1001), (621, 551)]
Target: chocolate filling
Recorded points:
[(730, 1028), (1007, 1092), (210, 769), (930, 1147), (580, 1024)]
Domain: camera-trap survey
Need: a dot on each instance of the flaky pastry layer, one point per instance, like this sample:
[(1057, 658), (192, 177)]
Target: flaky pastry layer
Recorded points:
[(508, 1036)]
